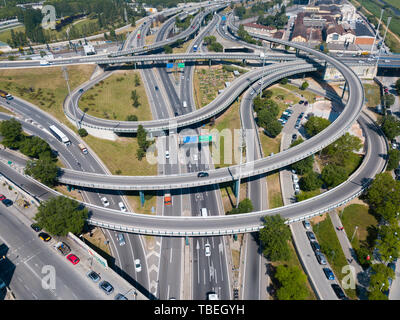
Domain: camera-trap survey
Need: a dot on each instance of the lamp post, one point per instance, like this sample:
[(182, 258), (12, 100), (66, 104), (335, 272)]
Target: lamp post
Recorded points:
[(377, 31), (64, 69), (383, 42), (242, 145), (355, 230)]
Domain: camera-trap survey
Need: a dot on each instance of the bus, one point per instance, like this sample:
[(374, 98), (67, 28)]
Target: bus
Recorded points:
[(60, 135)]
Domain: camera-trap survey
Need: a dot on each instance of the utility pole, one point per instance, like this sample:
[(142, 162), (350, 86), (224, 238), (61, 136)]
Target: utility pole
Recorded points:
[(377, 31), (262, 77), (383, 43), (242, 145), (64, 69), (354, 233)]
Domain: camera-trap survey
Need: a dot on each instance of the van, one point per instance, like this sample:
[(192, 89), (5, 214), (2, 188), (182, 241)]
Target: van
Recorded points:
[(184, 104), (204, 212), (83, 148)]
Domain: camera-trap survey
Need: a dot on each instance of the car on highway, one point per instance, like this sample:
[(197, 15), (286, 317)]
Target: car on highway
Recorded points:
[(202, 174), (207, 249), (138, 266), (251, 93), (2, 197), (36, 227), (311, 236), (315, 246), (106, 287), (156, 88), (120, 296), (329, 274), (7, 202), (93, 276), (307, 224), (80, 90), (122, 206), (73, 258), (121, 239), (105, 202), (44, 236), (320, 257), (167, 154), (338, 291)]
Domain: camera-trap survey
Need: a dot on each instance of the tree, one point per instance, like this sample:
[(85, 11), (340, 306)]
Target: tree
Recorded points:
[(135, 99), (333, 175), (292, 283), (379, 279), (167, 49), (315, 125), (284, 80), (339, 151), (44, 170), (304, 85), (35, 147), (389, 100), (275, 236), (391, 127), (388, 243), (61, 215), (11, 130), (383, 196), (132, 117), (311, 181), (82, 132), (303, 166), (244, 206), (394, 159), (273, 128), (397, 86), (137, 80)]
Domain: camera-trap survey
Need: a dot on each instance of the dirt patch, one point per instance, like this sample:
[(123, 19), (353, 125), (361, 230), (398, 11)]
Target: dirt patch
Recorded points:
[(318, 219), (354, 201), (98, 239)]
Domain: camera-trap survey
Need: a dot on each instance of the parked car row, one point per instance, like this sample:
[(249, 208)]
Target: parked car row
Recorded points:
[(322, 260), (64, 249), (285, 116), (296, 186), (298, 121)]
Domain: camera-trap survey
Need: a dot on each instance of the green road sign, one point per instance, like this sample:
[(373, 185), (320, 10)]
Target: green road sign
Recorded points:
[(205, 138), (181, 65)]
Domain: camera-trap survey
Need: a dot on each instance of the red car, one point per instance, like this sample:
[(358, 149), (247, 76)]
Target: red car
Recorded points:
[(73, 258), (2, 197)]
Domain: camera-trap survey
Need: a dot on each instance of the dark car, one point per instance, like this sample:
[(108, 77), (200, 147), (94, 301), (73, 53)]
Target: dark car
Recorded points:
[(106, 287), (310, 236), (36, 227), (306, 103), (202, 174), (329, 274), (80, 90), (301, 102), (93, 276), (156, 87), (7, 202), (315, 246), (294, 137), (339, 292), (120, 296), (44, 236)]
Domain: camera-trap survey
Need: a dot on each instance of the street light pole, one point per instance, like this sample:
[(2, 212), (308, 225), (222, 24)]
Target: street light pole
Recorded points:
[(240, 167), (377, 31), (383, 43), (64, 69)]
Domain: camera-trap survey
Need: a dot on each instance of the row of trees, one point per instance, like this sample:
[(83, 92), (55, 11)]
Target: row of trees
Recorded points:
[(43, 166), (383, 197), (212, 44), (278, 21), (267, 114), (337, 159), (143, 143)]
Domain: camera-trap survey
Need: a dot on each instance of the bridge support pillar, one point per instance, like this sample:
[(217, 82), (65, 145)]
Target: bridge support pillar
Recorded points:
[(209, 63), (141, 193), (236, 188), (244, 61), (297, 52), (344, 89)]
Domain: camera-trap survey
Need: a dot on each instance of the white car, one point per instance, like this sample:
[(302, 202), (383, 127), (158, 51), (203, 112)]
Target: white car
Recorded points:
[(207, 248), (259, 82), (167, 154), (295, 178), (105, 202), (195, 157), (138, 266), (307, 224), (122, 207)]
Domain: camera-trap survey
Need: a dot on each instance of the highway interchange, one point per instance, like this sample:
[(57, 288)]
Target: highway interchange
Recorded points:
[(178, 176)]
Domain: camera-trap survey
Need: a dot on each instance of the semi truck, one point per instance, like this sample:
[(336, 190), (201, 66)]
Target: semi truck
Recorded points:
[(6, 95)]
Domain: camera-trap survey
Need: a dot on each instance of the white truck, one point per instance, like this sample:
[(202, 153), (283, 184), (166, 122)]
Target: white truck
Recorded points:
[(44, 63), (184, 104)]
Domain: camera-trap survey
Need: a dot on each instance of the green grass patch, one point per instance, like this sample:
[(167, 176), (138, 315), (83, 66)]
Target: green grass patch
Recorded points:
[(111, 98), (44, 87), (303, 195), (372, 95), (149, 203), (309, 96), (6, 34), (357, 215), (332, 250), (120, 156), (275, 199)]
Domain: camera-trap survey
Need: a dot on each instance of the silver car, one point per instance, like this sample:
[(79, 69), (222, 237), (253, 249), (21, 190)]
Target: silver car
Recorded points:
[(121, 239), (320, 257)]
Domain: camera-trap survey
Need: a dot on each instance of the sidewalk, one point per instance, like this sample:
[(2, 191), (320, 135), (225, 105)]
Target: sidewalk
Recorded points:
[(361, 276)]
